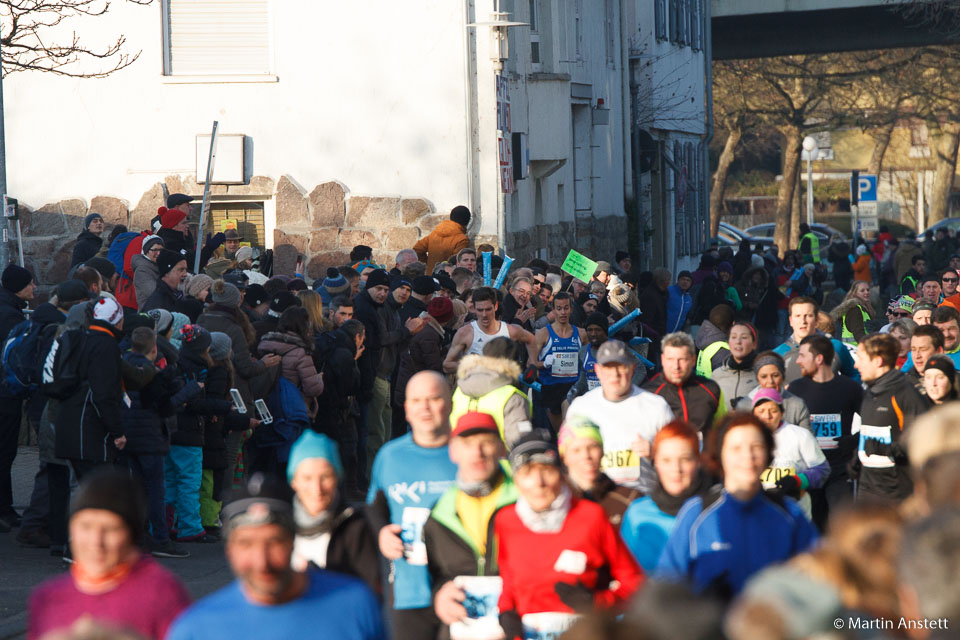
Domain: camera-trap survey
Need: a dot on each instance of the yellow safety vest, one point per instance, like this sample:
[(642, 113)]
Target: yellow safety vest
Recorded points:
[(704, 366), (492, 403), (814, 246), (846, 335)]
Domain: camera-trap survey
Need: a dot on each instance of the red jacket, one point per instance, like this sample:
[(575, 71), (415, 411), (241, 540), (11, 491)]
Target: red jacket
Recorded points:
[(528, 560), (880, 245)]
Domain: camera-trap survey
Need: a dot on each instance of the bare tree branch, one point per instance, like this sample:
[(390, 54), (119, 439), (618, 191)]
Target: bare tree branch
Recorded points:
[(33, 39)]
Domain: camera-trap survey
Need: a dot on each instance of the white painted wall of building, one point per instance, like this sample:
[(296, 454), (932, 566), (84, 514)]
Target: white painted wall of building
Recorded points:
[(370, 93)]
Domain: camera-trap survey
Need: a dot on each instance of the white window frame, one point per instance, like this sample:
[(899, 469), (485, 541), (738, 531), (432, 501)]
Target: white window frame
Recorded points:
[(660, 19), (170, 76), (696, 25), (536, 64)]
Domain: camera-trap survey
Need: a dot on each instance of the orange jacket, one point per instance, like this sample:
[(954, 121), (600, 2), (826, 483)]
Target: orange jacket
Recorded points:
[(952, 301), (861, 268), (444, 241)]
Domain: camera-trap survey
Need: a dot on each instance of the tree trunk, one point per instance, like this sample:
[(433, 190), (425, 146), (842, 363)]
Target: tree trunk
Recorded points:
[(720, 179), (791, 164), (797, 213), (946, 165), (881, 139)]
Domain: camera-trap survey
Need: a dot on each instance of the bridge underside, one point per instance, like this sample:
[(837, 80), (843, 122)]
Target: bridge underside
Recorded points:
[(824, 31)]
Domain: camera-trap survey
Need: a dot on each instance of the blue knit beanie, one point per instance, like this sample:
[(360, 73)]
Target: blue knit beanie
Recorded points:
[(335, 283), (90, 217), (314, 445)]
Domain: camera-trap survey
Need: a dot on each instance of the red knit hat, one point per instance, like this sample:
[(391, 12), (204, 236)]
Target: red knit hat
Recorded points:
[(475, 422), (169, 218)]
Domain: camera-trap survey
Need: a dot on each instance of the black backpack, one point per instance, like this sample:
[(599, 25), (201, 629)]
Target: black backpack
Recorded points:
[(61, 368)]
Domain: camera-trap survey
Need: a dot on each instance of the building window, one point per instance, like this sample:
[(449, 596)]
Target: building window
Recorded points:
[(696, 18), (217, 38), (683, 25), (610, 28), (660, 19), (679, 194), (534, 19), (578, 28), (674, 19)]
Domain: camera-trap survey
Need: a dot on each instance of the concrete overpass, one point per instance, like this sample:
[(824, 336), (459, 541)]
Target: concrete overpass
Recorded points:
[(763, 28)]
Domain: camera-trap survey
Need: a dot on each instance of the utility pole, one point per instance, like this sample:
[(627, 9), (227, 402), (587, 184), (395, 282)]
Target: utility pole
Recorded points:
[(5, 227)]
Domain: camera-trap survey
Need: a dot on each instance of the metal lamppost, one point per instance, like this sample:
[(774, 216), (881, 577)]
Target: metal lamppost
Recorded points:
[(810, 149)]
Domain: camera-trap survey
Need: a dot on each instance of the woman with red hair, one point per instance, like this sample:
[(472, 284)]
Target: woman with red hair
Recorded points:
[(648, 522)]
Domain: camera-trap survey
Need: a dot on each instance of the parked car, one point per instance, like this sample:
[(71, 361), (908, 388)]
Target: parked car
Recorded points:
[(738, 234), (953, 224), (824, 232)]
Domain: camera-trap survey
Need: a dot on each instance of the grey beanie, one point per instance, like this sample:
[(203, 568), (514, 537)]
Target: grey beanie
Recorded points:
[(162, 320), (766, 358), (220, 345), (225, 293)]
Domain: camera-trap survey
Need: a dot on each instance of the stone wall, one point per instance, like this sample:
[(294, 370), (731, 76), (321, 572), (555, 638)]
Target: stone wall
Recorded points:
[(323, 223), (596, 238)]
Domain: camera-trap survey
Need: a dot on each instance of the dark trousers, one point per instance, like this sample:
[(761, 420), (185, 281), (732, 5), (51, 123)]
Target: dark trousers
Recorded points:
[(148, 468), (36, 515), (83, 468), (9, 434), (58, 481), (836, 493), (415, 624)]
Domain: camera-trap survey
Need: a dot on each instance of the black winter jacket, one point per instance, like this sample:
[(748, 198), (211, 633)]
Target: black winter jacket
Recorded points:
[(163, 297), (192, 418), (353, 547), (215, 429), (384, 334), (267, 324), (335, 356), (11, 314), (88, 244), (186, 246), (90, 420), (890, 404), (252, 379), (190, 307), (144, 422), (697, 401)]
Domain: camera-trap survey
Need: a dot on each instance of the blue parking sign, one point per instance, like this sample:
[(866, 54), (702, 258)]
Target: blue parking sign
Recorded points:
[(868, 188)]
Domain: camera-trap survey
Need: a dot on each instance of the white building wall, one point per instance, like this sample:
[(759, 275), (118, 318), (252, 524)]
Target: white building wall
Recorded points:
[(672, 94), (369, 93)]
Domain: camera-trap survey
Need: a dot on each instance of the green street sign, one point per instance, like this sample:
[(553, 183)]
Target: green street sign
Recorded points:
[(579, 266)]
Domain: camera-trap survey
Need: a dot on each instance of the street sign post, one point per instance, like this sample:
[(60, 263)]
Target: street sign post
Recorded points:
[(863, 196)]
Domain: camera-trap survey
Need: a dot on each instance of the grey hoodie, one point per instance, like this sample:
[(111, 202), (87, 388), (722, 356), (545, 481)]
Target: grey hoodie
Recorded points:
[(145, 276)]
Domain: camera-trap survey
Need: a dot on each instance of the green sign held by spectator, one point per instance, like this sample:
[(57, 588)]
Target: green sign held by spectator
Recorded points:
[(579, 266)]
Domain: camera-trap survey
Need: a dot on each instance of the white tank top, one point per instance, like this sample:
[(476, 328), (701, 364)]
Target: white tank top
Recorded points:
[(480, 338)]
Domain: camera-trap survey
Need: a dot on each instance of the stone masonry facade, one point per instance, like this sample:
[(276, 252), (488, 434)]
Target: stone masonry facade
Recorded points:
[(322, 224)]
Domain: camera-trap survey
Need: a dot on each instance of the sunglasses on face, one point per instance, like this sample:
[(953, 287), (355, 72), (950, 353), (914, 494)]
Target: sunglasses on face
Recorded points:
[(900, 314), (951, 280)]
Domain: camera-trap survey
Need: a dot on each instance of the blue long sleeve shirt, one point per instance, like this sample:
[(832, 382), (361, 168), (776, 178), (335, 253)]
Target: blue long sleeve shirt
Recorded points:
[(730, 540)]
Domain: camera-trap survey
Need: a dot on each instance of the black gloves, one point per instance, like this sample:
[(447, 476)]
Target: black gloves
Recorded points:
[(215, 241), (790, 485), (576, 596), (511, 625), (530, 375)]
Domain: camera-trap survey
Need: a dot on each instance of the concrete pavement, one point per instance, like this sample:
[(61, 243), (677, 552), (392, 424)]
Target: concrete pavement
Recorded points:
[(22, 569)]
